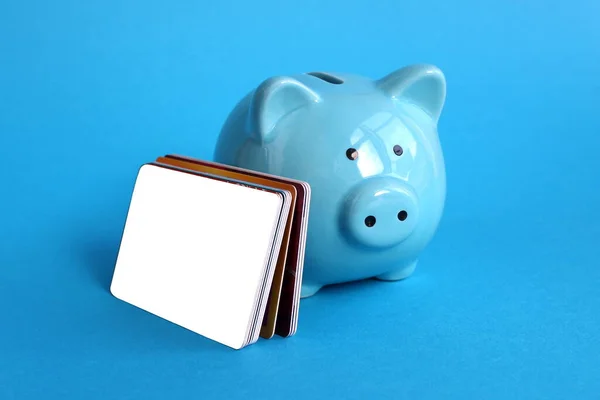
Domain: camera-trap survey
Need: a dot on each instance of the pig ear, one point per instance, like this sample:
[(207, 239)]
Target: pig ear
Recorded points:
[(422, 84), (272, 100)]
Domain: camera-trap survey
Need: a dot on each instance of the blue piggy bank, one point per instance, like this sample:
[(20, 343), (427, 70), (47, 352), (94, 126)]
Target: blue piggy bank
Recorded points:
[(369, 150)]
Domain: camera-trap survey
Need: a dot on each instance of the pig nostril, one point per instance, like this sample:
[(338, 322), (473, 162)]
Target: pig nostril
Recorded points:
[(370, 221), (402, 215)]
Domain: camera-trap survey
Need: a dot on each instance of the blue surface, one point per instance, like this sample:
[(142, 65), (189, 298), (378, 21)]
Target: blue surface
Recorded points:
[(505, 302)]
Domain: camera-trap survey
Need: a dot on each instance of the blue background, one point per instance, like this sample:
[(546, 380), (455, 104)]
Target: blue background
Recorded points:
[(505, 303)]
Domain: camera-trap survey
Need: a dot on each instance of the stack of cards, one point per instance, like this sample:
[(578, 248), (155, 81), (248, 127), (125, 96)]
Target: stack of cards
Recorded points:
[(216, 249)]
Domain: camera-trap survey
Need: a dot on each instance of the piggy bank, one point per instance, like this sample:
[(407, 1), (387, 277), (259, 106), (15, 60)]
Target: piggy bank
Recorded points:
[(369, 149)]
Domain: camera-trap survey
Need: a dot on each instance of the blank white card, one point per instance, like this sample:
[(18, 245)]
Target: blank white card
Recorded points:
[(194, 251)]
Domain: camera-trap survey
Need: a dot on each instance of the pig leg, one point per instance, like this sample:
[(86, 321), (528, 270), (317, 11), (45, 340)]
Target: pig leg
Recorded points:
[(400, 273), (308, 289)]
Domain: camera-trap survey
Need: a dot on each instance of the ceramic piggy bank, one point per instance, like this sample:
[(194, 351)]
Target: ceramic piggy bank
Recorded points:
[(369, 149)]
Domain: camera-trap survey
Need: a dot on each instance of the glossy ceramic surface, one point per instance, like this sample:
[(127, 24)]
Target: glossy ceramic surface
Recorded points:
[(370, 150)]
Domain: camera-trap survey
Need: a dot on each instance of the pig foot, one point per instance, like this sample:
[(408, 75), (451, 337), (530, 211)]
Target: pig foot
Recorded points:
[(398, 274), (308, 289)]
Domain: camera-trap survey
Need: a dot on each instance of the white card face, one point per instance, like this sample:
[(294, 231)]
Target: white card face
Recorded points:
[(194, 251)]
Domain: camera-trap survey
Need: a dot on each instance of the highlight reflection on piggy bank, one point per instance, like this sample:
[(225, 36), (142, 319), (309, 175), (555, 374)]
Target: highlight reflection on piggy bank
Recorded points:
[(371, 153)]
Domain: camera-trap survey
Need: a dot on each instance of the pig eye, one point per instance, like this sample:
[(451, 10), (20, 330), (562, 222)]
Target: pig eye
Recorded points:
[(352, 154), (398, 150)]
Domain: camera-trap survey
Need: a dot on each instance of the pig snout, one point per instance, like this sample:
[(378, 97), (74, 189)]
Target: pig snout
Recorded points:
[(380, 212)]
